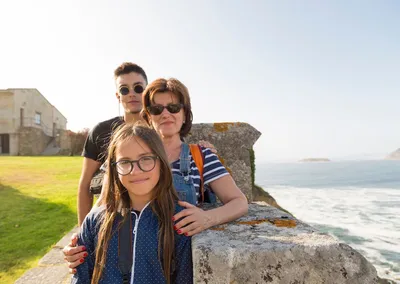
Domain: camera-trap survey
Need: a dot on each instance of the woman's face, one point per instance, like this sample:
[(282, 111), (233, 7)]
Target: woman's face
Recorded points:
[(167, 124), (139, 183)]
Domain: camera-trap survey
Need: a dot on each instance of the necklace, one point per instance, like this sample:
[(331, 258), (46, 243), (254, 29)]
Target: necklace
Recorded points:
[(174, 154)]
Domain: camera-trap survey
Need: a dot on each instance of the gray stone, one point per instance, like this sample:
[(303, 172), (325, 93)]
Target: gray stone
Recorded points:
[(233, 140), (271, 246), (46, 275), (53, 257)]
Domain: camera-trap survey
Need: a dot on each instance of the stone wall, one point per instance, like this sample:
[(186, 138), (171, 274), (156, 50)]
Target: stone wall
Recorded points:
[(63, 141), (234, 141), (32, 141)]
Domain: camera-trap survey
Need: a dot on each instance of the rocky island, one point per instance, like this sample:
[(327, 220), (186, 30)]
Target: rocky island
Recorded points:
[(315, 160)]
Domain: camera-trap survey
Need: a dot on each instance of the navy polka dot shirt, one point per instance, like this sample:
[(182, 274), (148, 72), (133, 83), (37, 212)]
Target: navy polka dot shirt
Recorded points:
[(146, 268)]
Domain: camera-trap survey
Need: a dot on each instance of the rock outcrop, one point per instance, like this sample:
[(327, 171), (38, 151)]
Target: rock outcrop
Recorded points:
[(234, 142), (269, 246)]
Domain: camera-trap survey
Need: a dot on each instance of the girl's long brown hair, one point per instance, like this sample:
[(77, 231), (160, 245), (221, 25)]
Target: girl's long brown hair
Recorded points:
[(116, 199)]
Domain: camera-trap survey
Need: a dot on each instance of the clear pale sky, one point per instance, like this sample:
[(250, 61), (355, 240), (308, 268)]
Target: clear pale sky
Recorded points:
[(317, 78)]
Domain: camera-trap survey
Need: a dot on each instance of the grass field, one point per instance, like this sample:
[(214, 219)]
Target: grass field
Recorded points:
[(37, 208)]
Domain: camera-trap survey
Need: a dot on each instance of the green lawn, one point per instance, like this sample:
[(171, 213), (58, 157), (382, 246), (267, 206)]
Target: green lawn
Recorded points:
[(37, 208)]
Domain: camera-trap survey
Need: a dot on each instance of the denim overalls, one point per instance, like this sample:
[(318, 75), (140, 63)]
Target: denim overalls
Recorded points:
[(184, 184)]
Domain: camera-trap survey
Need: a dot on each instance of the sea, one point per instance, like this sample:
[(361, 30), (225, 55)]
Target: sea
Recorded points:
[(358, 202)]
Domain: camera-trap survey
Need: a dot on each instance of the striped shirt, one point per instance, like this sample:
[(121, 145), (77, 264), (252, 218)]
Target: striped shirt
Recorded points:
[(213, 169)]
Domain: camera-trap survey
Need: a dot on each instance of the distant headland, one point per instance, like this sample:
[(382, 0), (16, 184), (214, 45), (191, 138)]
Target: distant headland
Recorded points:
[(394, 155)]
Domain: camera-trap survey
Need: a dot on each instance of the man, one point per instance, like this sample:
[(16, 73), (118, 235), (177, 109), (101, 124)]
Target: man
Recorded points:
[(130, 81)]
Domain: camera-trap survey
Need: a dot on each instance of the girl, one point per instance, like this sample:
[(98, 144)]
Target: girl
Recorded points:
[(139, 193)]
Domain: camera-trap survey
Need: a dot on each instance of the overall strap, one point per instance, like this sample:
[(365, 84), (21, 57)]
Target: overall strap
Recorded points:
[(198, 158), (125, 247), (184, 161)]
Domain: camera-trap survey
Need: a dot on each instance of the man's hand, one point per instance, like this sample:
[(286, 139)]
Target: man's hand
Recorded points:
[(74, 255)]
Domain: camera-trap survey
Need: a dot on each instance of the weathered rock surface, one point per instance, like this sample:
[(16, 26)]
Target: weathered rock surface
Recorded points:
[(233, 140), (270, 246)]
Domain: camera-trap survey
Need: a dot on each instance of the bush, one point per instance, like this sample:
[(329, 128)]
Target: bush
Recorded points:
[(78, 140)]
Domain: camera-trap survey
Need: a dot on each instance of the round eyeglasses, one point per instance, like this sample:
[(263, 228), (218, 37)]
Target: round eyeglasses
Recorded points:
[(124, 90), (145, 164)]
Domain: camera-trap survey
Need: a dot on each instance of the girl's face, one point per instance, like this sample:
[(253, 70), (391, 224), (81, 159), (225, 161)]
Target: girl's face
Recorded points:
[(138, 182), (167, 124)]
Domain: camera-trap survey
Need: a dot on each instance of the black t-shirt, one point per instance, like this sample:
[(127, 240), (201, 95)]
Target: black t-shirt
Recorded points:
[(96, 144)]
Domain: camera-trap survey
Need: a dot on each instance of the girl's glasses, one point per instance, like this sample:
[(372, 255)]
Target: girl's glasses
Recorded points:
[(145, 164)]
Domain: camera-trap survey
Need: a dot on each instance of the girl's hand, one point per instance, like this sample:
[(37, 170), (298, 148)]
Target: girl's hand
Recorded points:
[(207, 144), (191, 220)]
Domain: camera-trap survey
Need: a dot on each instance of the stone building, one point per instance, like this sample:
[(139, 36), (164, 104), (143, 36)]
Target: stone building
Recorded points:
[(29, 123)]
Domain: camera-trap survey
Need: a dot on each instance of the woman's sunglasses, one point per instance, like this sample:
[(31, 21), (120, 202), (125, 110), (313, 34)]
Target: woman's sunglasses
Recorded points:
[(124, 90), (158, 109)]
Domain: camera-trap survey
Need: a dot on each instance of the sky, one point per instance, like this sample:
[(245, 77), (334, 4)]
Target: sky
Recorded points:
[(316, 78)]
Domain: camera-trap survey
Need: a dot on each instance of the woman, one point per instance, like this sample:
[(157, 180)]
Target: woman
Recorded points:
[(167, 109), (139, 193)]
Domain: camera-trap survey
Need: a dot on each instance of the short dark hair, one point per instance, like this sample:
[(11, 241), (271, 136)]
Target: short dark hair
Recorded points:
[(129, 67)]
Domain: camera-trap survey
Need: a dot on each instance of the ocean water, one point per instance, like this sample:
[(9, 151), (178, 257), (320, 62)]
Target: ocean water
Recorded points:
[(358, 202)]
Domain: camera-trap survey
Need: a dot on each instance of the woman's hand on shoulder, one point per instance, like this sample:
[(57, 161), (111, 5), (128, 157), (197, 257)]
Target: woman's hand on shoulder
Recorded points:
[(74, 255), (192, 220), (207, 144)]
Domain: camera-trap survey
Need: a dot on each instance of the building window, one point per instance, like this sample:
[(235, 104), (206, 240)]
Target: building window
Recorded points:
[(38, 118)]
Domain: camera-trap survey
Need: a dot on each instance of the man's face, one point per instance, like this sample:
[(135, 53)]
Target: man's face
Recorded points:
[(132, 101)]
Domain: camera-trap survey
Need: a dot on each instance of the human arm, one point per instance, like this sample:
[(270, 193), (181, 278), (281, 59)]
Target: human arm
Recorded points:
[(197, 219), (74, 255), (206, 144), (86, 237), (193, 220), (85, 198)]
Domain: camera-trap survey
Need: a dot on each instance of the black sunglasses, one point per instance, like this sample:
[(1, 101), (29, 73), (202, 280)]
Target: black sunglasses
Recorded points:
[(124, 90), (158, 109)]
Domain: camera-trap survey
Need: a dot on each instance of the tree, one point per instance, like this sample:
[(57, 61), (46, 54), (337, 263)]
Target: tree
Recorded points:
[(78, 140)]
